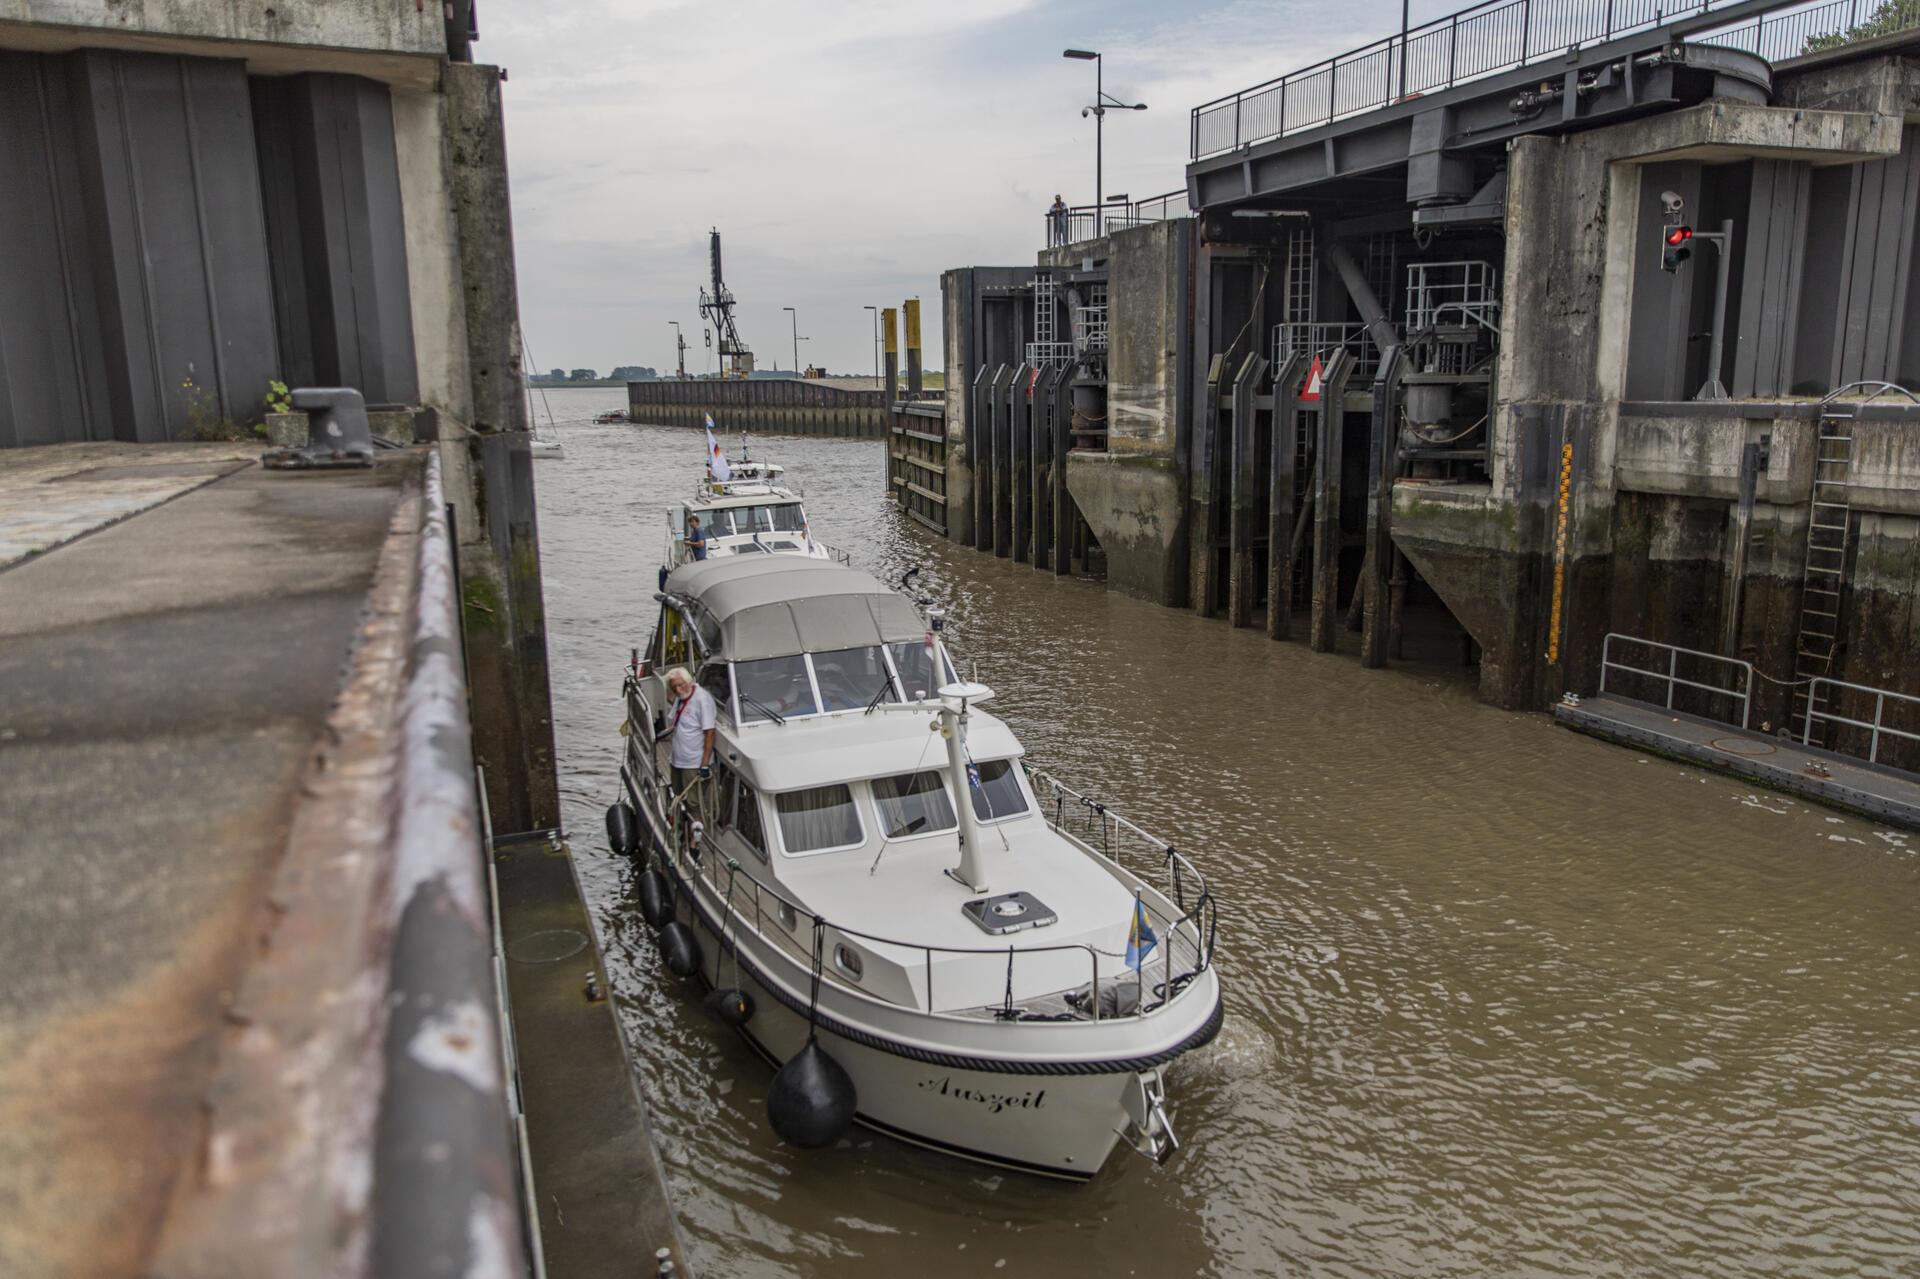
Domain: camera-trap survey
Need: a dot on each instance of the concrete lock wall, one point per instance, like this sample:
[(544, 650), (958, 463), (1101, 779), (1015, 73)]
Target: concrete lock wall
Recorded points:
[(286, 31), (1599, 496), (1133, 496)]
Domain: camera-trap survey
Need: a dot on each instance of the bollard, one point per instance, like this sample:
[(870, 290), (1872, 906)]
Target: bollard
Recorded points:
[(338, 434)]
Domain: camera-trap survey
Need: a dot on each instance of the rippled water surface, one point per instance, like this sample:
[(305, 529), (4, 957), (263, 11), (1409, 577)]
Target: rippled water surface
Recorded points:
[(1501, 999)]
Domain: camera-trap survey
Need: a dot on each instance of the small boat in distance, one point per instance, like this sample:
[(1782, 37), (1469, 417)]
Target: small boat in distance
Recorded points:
[(745, 508), (610, 417)]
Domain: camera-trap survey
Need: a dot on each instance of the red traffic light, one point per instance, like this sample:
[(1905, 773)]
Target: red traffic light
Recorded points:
[(1678, 235)]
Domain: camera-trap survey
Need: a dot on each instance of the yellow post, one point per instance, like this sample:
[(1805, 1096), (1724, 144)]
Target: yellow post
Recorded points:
[(912, 307), (891, 337)]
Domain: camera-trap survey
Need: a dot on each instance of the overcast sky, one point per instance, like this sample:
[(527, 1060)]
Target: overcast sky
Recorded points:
[(848, 151)]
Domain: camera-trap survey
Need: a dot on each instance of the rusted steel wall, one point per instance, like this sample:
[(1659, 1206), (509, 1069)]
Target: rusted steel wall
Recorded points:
[(796, 406)]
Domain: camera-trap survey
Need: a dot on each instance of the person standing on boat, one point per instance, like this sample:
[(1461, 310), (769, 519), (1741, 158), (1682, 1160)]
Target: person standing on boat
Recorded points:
[(691, 725), (696, 538)]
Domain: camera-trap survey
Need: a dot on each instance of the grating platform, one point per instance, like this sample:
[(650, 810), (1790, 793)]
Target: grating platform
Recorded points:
[(1883, 794)]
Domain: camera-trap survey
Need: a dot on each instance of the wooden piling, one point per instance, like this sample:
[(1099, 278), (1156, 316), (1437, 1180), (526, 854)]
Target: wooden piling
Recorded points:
[(1280, 504), (1324, 617), (1243, 569)]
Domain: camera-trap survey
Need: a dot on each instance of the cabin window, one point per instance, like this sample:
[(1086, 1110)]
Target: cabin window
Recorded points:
[(913, 804), (847, 960), (725, 786), (774, 687), (787, 518), (752, 519), (816, 820), (746, 822), (719, 523), (914, 662), (849, 678), (997, 794), (713, 678), (789, 917)]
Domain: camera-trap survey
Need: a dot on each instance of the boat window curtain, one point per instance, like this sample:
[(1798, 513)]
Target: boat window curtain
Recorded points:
[(913, 804), (818, 819)]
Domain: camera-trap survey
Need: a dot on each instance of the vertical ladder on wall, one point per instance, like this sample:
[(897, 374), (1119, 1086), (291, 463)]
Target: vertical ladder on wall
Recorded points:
[(1824, 575)]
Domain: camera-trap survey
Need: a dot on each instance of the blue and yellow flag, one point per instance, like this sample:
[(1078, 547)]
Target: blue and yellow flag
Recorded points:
[(1140, 938)]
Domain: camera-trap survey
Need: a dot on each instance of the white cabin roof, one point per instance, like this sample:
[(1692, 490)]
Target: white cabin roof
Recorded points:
[(757, 606), (852, 746)]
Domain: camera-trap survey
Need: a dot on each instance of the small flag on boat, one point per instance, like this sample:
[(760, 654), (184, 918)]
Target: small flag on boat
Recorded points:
[(1140, 939), (973, 775), (716, 460)]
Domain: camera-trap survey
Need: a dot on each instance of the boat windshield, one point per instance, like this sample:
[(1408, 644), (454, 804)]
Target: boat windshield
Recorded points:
[(914, 661), (849, 678), (774, 686), (913, 804), (997, 793), (787, 517)]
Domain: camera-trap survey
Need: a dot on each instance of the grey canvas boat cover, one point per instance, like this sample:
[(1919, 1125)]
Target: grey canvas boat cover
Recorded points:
[(749, 607)]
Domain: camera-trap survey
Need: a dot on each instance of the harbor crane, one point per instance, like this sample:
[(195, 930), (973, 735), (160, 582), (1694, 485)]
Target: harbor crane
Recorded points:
[(736, 360)]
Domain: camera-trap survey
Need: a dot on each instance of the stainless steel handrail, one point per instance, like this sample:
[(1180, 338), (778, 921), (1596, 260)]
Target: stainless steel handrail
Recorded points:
[(1671, 676), (1877, 726)]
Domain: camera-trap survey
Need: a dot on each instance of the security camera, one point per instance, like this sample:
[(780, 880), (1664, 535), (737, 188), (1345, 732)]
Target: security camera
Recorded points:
[(1085, 112), (1671, 202)]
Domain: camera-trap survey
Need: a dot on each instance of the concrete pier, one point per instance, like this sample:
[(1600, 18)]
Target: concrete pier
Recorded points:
[(247, 996), (1431, 354)]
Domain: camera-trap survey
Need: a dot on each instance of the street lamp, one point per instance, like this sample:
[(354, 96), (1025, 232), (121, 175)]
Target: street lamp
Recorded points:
[(876, 342), (680, 347), (797, 339), (1101, 101)]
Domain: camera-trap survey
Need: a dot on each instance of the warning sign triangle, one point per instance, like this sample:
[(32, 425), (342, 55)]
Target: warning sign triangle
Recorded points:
[(1311, 392)]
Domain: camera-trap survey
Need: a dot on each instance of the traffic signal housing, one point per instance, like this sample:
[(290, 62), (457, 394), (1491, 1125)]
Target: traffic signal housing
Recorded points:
[(1676, 246)]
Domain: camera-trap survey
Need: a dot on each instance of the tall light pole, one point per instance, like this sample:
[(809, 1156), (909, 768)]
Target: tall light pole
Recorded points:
[(680, 347), (876, 342), (1101, 101), (796, 336)]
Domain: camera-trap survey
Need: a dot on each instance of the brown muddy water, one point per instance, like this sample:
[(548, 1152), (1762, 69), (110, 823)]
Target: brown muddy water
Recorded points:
[(1501, 1000)]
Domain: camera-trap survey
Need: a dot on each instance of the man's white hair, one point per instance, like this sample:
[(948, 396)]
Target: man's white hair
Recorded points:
[(678, 673)]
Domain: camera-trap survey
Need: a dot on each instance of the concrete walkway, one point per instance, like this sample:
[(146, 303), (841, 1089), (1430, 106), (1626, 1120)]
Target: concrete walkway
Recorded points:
[(49, 496), (1881, 794), (161, 685)]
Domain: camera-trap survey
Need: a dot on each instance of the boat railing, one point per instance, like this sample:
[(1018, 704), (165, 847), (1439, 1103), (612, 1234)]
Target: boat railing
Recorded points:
[(1181, 879), (1189, 914)]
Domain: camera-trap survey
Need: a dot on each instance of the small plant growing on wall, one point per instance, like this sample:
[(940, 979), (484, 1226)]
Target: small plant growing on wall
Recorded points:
[(279, 399)]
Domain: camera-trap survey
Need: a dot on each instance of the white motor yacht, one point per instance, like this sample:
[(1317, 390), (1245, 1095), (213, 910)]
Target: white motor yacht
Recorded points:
[(750, 512), (929, 937)]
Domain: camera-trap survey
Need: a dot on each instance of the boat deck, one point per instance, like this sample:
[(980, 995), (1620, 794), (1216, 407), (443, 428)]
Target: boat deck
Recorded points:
[(1883, 794)]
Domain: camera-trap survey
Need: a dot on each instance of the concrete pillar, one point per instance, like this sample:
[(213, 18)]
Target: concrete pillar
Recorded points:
[(1021, 455), (1061, 537)]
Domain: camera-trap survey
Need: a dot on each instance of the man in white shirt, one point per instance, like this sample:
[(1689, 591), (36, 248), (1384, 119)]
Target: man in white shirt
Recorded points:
[(690, 722)]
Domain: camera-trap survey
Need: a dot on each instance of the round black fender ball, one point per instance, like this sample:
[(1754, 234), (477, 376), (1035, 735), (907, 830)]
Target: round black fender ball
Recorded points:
[(623, 829), (812, 1099), (730, 1006), (680, 948), (656, 899)]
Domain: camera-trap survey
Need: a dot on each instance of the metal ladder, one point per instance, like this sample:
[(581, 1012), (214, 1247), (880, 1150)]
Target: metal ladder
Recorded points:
[(1823, 577)]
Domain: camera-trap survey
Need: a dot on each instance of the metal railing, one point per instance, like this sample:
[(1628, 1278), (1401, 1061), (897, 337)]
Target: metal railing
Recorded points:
[(1876, 728), (1041, 355), (1167, 910), (1671, 676), (1079, 223), (1090, 326), (1499, 35), (1822, 26), (1323, 340)]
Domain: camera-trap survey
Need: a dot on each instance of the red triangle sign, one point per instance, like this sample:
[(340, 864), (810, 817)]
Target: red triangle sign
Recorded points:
[(1311, 392)]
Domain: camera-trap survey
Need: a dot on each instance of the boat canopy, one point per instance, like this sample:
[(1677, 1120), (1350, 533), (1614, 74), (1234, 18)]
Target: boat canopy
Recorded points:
[(749, 607)]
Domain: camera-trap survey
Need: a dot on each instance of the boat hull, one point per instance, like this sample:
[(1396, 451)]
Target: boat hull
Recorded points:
[(1062, 1126)]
